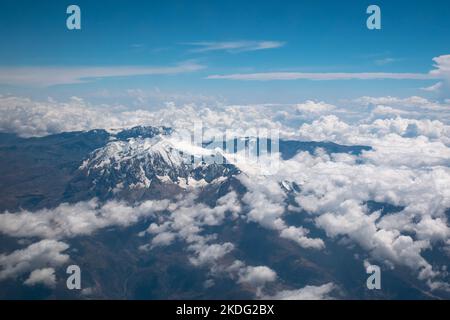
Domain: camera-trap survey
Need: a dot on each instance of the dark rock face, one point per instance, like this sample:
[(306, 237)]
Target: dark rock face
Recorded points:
[(143, 132), (36, 171)]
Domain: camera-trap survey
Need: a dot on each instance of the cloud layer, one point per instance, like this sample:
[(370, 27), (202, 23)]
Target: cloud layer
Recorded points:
[(407, 167)]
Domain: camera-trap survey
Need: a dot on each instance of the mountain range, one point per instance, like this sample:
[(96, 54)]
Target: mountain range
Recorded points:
[(141, 164)]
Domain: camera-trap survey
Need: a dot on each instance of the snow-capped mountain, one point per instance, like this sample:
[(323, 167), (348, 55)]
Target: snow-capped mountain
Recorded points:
[(142, 157)]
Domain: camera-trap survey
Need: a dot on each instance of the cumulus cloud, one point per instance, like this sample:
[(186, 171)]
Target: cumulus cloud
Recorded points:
[(315, 107), (298, 234), (396, 129), (307, 293), (336, 193), (28, 117), (45, 276), (442, 67), (40, 255), (384, 245), (407, 104), (70, 220), (257, 276), (163, 239), (209, 253), (266, 204), (186, 221)]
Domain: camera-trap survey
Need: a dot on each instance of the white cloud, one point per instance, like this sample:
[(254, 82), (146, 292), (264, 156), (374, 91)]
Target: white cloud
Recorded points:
[(266, 204), (35, 118), (441, 71), (45, 276), (442, 67), (298, 234), (45, 253), (185, 220), (307, 293), (335, 192), (434, 88), (209, 253), (384, 244), (31, 118), (271, 76), (314, 107), (234, 46), (27, 117), (163, 239), (70, 220), (409, 103), (257, 276), (88, 291), (385, 61), (42, 76), (380, 132)]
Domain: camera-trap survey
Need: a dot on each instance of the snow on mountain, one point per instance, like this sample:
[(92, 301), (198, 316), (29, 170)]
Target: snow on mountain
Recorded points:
[(137, 157)]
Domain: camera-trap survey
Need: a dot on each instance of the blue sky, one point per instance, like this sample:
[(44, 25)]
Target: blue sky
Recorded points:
[(179, 45)]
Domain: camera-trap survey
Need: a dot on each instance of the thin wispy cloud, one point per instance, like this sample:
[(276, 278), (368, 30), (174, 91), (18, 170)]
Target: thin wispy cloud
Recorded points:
[(267, 76), (57, 75), (386, 61), (434, 88), (441, 71), (233, 46)]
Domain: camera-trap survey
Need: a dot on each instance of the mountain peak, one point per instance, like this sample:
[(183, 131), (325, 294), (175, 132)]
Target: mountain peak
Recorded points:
[(143, 132), (138, 163)]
